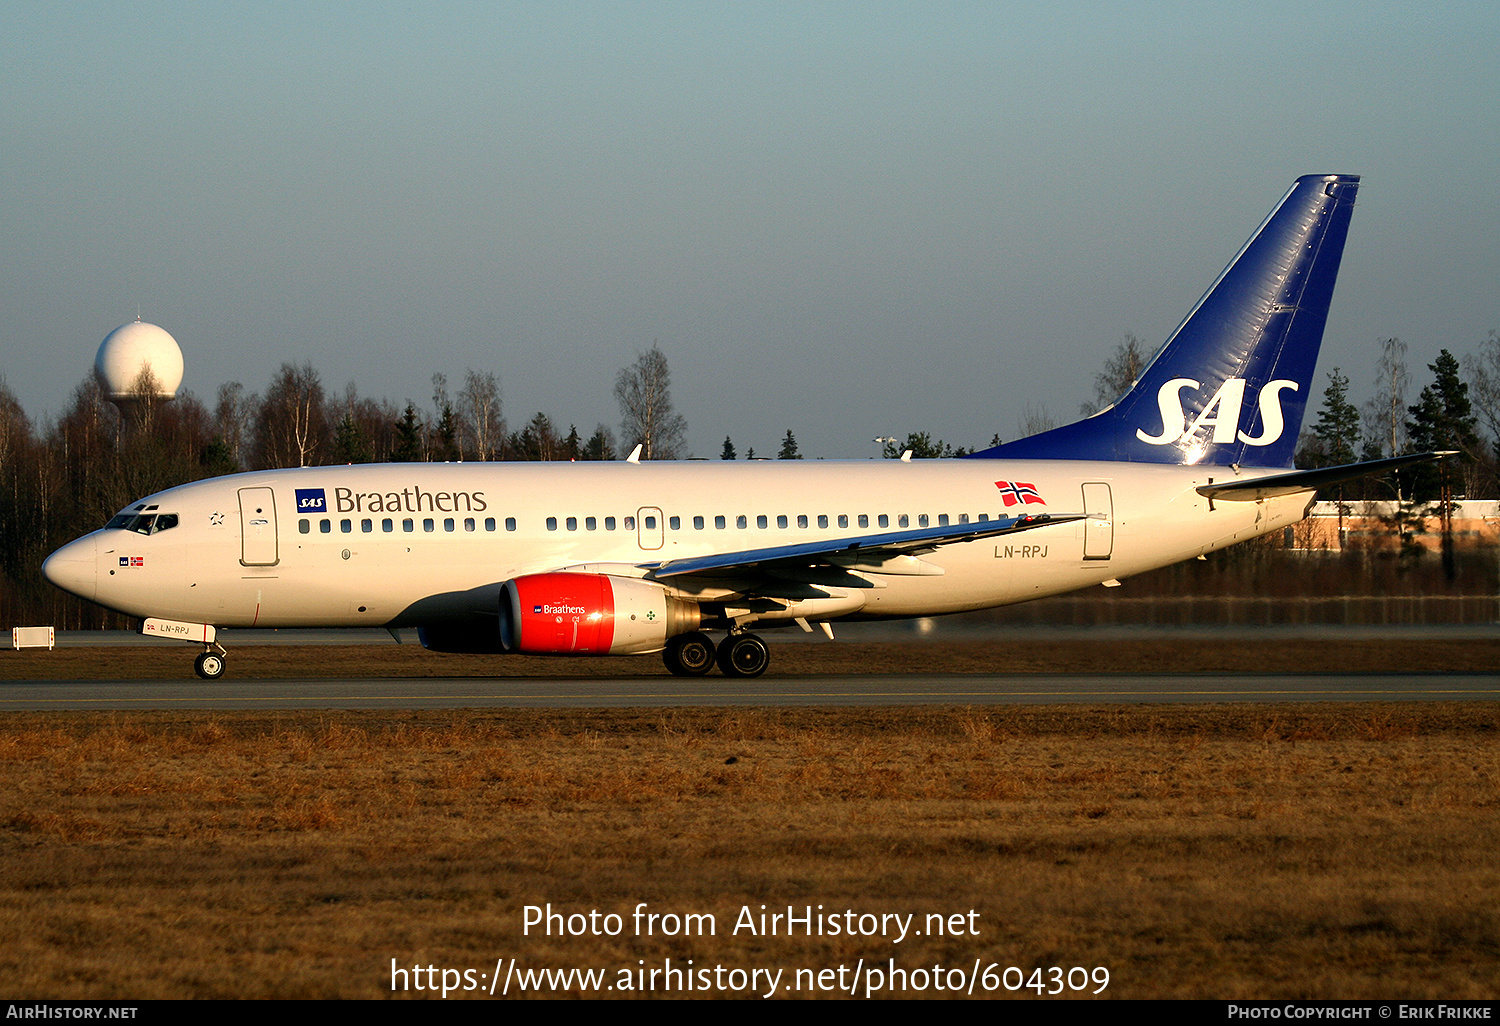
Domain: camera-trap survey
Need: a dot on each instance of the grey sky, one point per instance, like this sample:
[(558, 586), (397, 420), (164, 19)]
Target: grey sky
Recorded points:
[(843, 219)]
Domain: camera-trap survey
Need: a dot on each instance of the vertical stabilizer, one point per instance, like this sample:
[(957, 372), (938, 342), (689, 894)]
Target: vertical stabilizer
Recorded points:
[(1231, 384)]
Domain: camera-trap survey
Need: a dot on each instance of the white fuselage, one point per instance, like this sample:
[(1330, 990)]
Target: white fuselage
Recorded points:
[(417, 544)]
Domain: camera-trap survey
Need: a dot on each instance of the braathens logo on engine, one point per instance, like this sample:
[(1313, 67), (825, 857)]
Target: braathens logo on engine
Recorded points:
[(547, 610), (1222, 413)]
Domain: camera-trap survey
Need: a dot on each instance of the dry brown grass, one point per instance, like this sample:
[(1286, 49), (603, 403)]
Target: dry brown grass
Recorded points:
[(1233, 851)]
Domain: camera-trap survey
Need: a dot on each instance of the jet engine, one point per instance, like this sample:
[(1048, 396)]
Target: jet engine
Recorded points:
[(590, 614)]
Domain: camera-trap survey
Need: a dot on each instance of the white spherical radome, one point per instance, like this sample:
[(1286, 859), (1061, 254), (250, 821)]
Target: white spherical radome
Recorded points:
[(130, 349)]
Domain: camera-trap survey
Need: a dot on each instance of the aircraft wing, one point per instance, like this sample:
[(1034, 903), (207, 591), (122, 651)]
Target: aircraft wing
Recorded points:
[(1308, 480), (867, 551)]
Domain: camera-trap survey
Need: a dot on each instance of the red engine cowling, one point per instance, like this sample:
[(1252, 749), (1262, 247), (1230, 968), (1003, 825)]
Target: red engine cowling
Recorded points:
[(590, 614)]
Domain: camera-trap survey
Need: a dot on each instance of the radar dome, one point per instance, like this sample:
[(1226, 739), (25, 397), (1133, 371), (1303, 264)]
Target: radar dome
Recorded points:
[(133, 348)]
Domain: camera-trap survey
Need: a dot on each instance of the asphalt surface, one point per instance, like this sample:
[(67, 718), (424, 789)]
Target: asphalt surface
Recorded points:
[(883, 689)]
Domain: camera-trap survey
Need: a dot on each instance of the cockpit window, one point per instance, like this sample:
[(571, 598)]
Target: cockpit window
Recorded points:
[(149, 523)]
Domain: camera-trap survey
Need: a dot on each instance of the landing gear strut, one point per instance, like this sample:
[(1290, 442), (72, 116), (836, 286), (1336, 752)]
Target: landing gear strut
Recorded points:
[(689, 655), (743, 655)]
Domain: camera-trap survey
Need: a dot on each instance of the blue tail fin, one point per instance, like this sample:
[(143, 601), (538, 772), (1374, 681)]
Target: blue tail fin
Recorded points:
[(1231, 384)]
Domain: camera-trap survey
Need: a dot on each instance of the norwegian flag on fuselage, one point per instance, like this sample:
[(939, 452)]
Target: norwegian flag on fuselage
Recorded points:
[(1019, 492)]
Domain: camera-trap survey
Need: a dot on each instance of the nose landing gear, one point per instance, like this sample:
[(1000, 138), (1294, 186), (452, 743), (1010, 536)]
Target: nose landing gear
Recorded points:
[(210, 664)]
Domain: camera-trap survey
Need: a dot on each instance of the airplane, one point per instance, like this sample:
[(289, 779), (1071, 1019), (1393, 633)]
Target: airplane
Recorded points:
[(634, 557)]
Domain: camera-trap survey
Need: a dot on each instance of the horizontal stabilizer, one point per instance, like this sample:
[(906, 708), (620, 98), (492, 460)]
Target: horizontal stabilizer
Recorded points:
[(1309, 480)]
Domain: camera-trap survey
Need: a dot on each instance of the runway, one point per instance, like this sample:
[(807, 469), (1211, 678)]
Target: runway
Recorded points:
[(884, 689)]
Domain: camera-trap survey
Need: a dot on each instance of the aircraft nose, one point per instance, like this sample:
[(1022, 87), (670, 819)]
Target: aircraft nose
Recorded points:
[(75, 567)]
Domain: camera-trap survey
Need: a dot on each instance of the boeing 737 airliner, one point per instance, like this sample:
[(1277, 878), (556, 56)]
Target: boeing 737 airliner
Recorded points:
[(633, 557)]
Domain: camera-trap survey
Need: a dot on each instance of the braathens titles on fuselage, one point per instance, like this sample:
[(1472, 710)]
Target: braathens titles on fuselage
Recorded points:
[(638, 557)]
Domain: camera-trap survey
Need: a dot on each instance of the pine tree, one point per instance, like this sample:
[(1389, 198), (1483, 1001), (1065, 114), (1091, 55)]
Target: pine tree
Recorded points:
[(1338, 423), (445, 443), (601, 445), (789, 448), (350, 443), (921, 445), (1443, 419), (728, 452), (408, 447)]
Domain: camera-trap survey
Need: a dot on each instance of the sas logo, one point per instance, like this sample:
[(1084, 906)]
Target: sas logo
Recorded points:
[(132, 560), (1222, 413), (311, 500), (1016, 493)]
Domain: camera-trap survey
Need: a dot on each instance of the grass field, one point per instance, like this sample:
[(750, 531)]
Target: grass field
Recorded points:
[(1329, 850)]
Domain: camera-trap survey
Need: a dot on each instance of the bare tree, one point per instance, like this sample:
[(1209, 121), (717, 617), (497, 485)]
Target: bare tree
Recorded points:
[(644, 394), (232, 420), (479, 403), (1385, 413), (1121, 371), (445, 430), (1034, 420), (291, 427), (1484, 386)]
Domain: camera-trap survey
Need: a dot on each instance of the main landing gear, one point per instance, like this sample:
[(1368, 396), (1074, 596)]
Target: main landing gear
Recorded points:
[(739, 655)]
